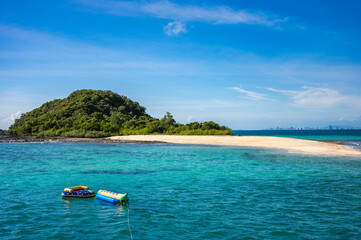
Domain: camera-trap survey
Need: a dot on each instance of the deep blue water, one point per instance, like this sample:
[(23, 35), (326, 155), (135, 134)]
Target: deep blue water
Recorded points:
[(176, 191)]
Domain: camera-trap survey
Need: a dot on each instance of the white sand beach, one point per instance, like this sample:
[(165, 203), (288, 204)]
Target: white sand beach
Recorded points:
[(290, 144)]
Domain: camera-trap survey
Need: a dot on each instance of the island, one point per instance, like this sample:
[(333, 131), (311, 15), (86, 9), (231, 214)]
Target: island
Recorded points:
[(97, 113), (104, 116)]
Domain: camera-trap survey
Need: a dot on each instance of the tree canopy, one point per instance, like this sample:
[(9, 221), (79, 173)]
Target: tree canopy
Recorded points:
[(97, 113)]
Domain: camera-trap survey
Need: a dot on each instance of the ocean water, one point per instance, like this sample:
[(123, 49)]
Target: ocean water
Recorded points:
[(330, 135), (350, 137), (177, 192)]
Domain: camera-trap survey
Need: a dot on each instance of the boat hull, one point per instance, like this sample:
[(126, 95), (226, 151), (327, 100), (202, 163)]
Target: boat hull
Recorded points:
[(79, 194)]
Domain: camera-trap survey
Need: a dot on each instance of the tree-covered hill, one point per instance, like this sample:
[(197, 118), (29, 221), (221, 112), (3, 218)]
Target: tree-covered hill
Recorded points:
[(96, 113)]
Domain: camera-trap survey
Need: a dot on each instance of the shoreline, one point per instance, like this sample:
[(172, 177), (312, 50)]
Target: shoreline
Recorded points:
[(43, 139), (292, 145)]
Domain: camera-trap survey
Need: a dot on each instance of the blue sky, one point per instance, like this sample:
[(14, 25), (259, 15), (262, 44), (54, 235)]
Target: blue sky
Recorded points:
[(246, 64)]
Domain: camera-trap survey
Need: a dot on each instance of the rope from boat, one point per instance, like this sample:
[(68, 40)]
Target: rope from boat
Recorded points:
[(130, 231)]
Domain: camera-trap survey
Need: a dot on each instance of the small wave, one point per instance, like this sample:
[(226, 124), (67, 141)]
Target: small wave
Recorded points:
[(132, 172), (353, 144), (135, 172)]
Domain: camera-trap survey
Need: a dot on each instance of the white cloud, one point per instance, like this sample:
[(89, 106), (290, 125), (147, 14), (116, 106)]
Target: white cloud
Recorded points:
[(175, 28), (320, 97), (164, 9), (11, 118), (54, 56), (251, 95), (189, 118), (313, 97), (281, 91)]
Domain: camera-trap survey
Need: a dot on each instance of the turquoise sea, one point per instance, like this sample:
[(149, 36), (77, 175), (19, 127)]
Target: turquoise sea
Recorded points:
[(350, 137), (331, 135), (177, 192)]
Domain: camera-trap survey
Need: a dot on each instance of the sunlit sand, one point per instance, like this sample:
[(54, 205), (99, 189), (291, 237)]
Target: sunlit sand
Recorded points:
[(290, 144)]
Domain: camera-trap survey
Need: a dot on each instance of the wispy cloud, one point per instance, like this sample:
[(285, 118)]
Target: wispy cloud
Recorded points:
[(52, 55), (13, 103), (189, 118), (320, 97), (251, 95), (164, 9), (313, 97), (175, 28), (281, 91), (11, 118)]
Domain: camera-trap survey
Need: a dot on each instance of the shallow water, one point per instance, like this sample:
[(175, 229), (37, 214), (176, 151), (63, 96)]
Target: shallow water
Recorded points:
[(176, 191), (328, 135)]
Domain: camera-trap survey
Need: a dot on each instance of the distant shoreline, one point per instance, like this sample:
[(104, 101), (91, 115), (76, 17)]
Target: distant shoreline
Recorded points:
[(290, 144), (36, 139)]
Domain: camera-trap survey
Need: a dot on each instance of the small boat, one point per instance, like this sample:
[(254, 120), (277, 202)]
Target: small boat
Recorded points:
[(78, 191), (112, 197)]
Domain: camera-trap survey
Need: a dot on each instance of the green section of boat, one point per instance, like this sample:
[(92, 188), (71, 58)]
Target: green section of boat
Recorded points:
[(124, 197)]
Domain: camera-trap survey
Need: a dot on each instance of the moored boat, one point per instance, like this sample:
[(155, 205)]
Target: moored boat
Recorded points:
[(112, 197), (78, 191)]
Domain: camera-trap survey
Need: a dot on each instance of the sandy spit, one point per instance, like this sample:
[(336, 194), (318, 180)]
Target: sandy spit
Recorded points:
[(290, 144)]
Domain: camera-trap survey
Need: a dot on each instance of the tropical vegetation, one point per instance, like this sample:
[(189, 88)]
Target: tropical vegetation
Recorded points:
[(96, 113)]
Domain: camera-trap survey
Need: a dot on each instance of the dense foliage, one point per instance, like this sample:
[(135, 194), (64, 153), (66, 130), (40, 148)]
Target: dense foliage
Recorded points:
[(96, 113)]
